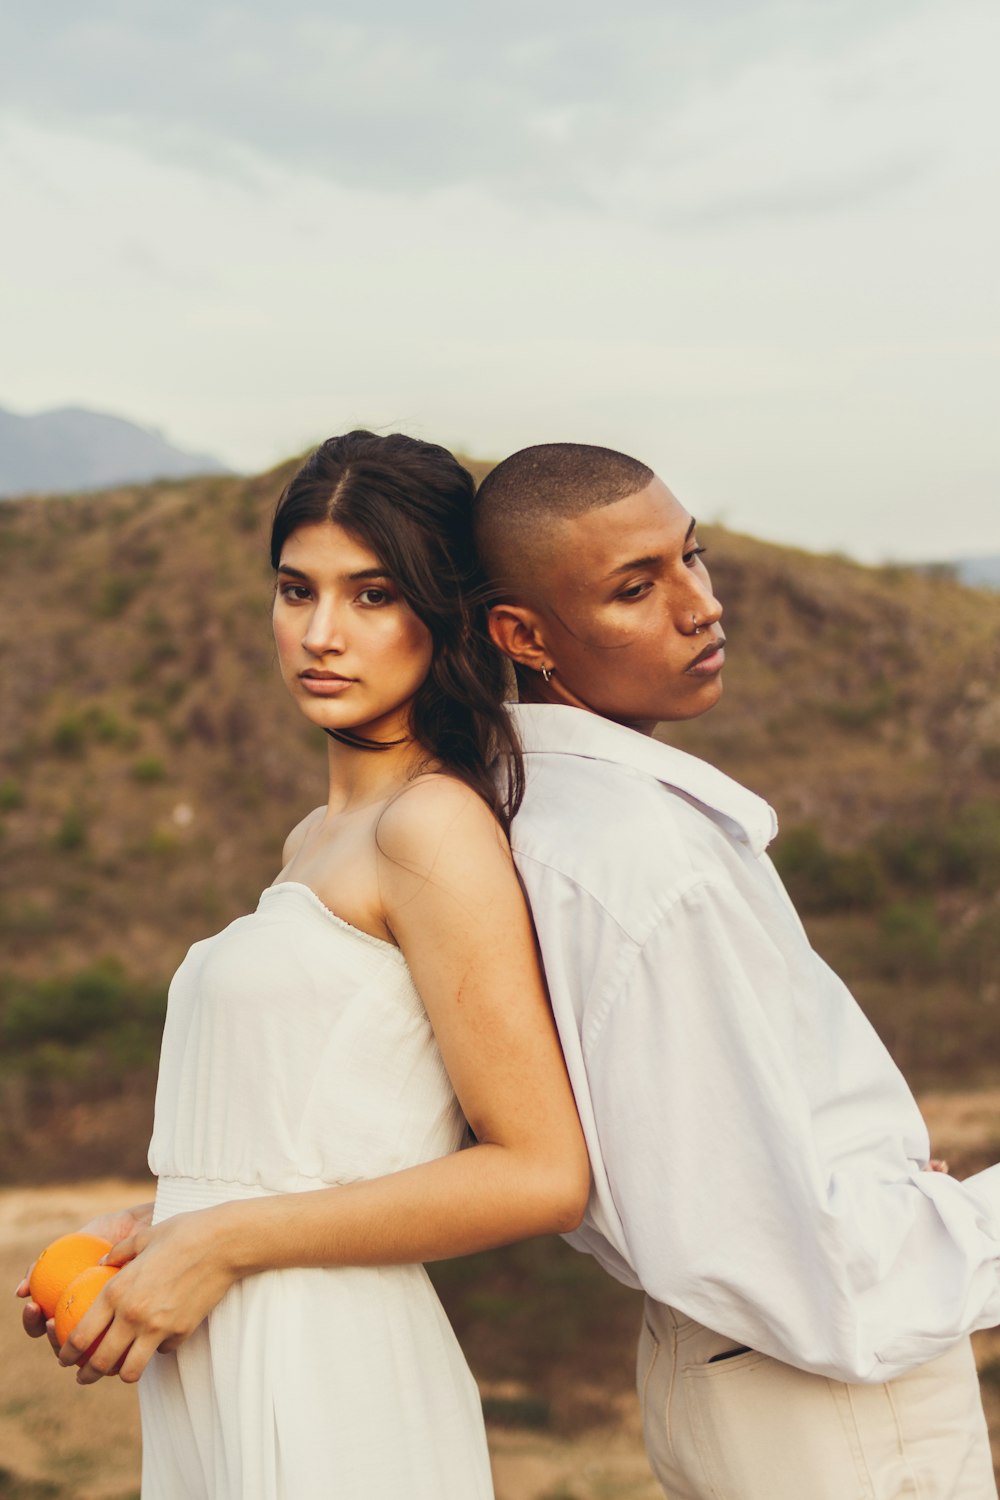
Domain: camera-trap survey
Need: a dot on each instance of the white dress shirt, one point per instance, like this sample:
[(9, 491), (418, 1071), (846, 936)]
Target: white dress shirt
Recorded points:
[(757, 1155)]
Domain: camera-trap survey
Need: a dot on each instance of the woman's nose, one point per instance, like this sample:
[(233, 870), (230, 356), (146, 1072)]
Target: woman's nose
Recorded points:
[(325, 632)]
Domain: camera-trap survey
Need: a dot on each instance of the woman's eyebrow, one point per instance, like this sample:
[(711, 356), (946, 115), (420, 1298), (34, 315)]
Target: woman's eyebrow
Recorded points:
[(362, 573)]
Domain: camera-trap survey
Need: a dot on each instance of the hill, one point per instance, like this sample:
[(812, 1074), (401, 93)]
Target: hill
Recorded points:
[(151, 766), (75, 449)]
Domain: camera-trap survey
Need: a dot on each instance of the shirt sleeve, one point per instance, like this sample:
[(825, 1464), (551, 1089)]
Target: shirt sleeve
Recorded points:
[(762, 1154)]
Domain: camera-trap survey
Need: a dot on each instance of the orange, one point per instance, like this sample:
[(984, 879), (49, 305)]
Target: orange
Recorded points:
[(59, 1263), (77, 1298)]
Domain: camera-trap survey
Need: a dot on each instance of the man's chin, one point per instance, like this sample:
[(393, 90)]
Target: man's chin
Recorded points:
[(674, 712), (645, 715)]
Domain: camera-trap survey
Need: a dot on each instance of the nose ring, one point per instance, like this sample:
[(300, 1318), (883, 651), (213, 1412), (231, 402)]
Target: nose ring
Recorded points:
[(697, 628)]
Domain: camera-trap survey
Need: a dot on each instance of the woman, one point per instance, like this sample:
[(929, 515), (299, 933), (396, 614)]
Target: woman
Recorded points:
[(322, 1055)]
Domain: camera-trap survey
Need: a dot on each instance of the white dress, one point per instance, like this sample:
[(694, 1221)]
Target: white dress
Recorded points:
[(297, 1054)]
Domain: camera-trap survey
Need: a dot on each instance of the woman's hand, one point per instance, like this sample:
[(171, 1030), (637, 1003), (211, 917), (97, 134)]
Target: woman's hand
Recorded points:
[(171, 1278), (114, 1226)]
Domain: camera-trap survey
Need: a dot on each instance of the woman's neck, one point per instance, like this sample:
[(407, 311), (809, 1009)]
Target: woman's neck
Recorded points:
[(360, 776)]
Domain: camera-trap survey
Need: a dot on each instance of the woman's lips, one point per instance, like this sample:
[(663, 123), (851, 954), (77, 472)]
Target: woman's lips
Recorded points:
[(322, 686)]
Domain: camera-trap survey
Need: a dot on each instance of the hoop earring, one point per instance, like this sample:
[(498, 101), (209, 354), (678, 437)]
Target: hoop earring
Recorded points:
[(546, 673)]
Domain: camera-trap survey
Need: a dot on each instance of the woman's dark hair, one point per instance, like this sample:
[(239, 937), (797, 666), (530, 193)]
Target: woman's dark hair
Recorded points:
[(411, 503)]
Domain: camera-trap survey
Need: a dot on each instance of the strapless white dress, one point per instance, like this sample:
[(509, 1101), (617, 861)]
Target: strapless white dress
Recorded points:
[(297, 1054)]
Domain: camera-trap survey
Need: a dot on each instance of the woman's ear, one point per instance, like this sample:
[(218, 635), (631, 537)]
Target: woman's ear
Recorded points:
[(517, 631)]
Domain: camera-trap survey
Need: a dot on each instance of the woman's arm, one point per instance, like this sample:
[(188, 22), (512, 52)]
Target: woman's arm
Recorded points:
[(452, 900)]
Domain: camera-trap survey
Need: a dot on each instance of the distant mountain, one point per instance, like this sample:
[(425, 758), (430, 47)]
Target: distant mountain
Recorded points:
[(974, 572), (979, 572), (75, 449)]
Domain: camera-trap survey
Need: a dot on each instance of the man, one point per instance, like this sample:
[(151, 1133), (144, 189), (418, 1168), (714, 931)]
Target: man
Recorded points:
[(759, 1163)]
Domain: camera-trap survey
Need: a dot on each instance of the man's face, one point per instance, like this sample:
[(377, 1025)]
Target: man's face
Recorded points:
[(618, 593)]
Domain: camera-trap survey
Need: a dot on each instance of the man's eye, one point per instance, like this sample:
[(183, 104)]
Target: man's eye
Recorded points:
[(634, 591), (694, 552)]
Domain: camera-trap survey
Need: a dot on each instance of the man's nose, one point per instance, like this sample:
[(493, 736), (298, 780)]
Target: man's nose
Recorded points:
[(701, 607)]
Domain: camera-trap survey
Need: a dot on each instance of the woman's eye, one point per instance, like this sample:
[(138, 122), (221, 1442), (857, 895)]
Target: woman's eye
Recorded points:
[(294, 591), (691, 554), (374, 597)]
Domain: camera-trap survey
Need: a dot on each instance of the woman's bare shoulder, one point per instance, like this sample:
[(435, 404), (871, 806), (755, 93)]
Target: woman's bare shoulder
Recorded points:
[(436, 816), (299, 833)]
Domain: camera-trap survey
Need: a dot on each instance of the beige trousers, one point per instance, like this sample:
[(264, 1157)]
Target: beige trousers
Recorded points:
[(750, 1428)]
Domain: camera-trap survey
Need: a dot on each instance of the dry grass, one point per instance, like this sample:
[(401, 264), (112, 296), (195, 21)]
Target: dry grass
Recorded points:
[(150, 765)]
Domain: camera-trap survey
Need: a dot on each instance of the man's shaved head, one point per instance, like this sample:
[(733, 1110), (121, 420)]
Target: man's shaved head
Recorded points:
[(519, 500)]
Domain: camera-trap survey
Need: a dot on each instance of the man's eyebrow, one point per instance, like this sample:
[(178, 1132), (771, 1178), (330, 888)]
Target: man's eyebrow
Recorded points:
[(654, 559)]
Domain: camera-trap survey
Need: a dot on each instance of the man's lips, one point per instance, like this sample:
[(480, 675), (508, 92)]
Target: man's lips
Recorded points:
[(711, 653)]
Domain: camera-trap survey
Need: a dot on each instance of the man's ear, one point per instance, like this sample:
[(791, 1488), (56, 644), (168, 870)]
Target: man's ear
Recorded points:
[(516, 630)]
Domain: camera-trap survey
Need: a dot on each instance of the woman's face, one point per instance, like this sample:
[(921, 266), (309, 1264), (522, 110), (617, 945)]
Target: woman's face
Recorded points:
[(352, 652)]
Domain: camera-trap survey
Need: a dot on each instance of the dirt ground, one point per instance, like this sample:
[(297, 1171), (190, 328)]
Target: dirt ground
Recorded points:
[(60, 1442)]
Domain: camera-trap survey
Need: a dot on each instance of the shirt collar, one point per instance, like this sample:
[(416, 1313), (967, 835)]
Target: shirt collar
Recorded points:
[(557, 729)]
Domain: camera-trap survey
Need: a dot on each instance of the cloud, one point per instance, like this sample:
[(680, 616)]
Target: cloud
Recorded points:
[(752, 241), (659, 111)]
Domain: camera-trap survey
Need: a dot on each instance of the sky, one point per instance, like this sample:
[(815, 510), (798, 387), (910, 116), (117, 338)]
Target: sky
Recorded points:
[(752, 242)]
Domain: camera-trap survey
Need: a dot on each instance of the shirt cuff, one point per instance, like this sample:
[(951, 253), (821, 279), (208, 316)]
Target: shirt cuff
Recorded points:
[(984, 1190)]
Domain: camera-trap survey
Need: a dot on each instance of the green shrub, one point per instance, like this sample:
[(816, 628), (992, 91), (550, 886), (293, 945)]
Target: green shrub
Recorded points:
[(69, 737), (11, 795), (910, 941), (163, 843), (162, 649), (149, 769), (517, 1411), (946, 850), (145, 706), (821, 879), (861, 713), (972, 854), (65, 1010), (72, 831), (65, 1026), (114, 596), (108, 728), (975, 957), (134, 1044), (989, 759)]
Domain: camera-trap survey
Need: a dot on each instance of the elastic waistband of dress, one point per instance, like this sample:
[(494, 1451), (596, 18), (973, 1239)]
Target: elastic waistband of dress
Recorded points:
[(179, 1195)]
